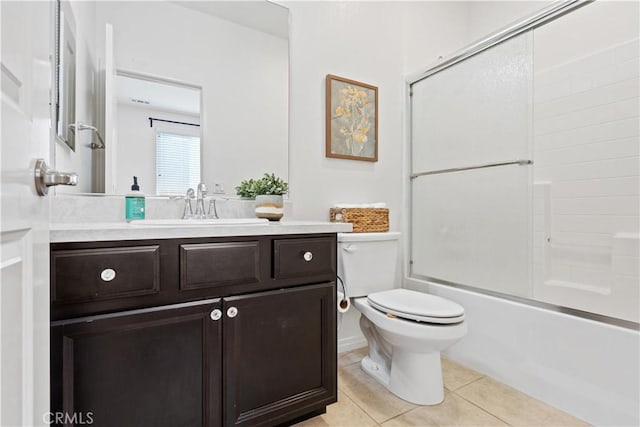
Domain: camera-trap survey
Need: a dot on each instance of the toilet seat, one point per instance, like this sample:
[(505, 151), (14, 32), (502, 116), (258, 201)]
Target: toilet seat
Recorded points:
[(417, 306)]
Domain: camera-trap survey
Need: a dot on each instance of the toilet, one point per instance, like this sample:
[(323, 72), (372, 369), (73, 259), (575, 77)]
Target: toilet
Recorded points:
[(405, 330)]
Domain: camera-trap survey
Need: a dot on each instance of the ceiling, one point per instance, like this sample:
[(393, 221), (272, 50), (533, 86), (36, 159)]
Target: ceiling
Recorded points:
[(158, 95), (262, 15)]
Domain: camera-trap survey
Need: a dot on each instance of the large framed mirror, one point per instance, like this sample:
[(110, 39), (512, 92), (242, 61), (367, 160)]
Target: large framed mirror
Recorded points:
[(213, 77)]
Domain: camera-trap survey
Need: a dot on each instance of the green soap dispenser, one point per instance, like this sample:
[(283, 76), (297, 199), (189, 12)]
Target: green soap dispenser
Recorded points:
[(134, 202)]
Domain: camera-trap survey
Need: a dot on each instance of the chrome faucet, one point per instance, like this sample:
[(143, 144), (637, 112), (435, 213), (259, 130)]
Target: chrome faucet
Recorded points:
[(201, 194), (214, 214), (188, 210)]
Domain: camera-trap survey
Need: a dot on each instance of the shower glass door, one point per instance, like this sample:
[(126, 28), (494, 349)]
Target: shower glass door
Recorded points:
[(471, 198), (565, 229)]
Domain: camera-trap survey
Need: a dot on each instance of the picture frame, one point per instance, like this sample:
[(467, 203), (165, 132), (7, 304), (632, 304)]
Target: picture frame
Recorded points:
[(351, 119)]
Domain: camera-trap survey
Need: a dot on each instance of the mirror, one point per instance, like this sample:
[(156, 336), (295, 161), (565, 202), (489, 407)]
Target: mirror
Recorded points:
[(213, 76), (65, 76)]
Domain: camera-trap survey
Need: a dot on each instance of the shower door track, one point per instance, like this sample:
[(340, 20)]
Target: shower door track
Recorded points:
[(545, 15), (615, 321)]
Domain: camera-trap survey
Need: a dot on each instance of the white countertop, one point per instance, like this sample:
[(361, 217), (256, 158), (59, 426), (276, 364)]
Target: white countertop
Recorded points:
[(108, 231)]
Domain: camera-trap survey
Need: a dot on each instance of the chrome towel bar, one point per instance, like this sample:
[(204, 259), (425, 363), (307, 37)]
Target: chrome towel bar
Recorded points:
[(487, 165)]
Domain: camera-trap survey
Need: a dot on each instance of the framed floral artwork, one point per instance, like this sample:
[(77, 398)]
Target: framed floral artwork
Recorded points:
[(352, 119)]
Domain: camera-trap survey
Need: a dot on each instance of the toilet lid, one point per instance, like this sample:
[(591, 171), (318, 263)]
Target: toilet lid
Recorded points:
[(417, 306)]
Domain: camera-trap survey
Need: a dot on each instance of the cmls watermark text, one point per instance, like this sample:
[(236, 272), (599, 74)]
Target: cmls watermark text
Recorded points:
[(65, 418)]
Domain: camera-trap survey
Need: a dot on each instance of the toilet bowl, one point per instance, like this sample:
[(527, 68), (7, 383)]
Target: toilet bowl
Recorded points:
[(405, 330), (404, 354)]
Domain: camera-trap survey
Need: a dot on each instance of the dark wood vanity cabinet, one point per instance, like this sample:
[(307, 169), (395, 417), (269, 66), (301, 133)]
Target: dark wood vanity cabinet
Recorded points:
[(279, 354), (140, 368), (209, 356)]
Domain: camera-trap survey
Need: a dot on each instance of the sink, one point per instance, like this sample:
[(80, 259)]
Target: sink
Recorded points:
[(198, 222)]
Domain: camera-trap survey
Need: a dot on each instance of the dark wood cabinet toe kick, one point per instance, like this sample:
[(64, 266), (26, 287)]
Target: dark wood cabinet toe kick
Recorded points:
[(194, 332)]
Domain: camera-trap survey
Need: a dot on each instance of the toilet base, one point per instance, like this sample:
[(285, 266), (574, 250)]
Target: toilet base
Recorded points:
[(414, 377), (378, 372)]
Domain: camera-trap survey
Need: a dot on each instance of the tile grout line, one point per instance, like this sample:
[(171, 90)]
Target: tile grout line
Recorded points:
[(349, 364), (361, 408), (418, 406), (392, 418), (480, 407), (533, 398), (379, 423), (371, 416), (455, 392), (469, 383), (402, 413), (356, 403)]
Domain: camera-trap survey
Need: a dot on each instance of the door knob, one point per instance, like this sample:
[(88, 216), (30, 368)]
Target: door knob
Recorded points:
[(46, 177), (215, 314), (232, 312)]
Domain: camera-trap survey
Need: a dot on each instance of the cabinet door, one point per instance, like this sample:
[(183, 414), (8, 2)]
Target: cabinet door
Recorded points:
[(151, 367), (279, 354)]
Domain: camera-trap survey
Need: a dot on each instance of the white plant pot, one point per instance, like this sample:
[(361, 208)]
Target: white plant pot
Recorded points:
[(270, 207)]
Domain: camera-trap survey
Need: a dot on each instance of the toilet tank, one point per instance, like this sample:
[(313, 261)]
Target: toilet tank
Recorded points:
[(367, 262)]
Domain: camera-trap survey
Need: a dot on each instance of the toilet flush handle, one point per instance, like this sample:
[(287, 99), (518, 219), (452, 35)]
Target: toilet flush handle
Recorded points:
[(350, 249)]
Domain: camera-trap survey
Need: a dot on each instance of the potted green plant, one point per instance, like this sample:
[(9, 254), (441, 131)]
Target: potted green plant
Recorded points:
[(268, 192)]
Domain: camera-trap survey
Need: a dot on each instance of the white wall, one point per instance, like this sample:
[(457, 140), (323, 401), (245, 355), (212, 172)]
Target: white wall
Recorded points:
[(433, 30), (242, 72), (360, 41), (372, 42), (486, 17)]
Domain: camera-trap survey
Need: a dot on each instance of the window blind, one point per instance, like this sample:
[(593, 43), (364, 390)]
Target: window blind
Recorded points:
[(177, 162)]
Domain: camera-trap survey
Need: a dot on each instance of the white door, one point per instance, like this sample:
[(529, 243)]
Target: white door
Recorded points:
[(24, 242)]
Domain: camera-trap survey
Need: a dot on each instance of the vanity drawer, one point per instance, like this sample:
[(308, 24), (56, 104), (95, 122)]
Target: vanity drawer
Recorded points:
[(211, 265), (84, 275), (304, 258)]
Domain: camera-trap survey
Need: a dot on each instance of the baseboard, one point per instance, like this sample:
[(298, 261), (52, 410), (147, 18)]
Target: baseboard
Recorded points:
[(351, 343)]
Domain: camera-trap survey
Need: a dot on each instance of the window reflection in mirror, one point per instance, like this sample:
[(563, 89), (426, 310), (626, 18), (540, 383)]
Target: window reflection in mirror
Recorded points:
[(158, 138)]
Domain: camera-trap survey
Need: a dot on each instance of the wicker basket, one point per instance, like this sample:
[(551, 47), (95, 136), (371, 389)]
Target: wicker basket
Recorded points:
[(364, 220)]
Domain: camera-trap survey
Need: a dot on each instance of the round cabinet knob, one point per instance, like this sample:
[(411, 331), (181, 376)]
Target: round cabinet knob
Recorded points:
[(232, 312), (308, 256), (215, 314), (108, 274)]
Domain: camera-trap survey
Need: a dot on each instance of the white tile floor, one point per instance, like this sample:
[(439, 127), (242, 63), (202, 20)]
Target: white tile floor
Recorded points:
[(471, 399)]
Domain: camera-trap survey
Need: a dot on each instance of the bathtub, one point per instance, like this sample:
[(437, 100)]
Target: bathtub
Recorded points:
[(584, 367)]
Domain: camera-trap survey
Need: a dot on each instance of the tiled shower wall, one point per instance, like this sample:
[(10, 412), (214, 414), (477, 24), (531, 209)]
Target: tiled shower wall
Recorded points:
[(586, 168)]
